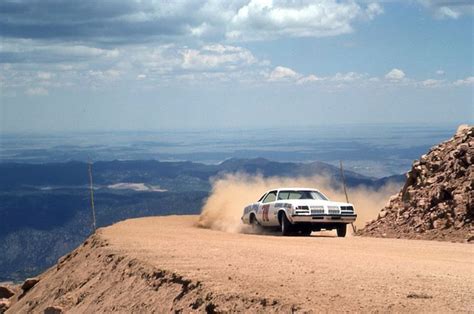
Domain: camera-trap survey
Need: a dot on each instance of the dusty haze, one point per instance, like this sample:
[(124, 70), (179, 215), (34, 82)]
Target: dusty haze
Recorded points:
[(232, 192)]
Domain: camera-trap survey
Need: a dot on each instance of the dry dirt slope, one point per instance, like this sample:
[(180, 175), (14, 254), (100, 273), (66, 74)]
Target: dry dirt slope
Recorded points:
[(166, 264)]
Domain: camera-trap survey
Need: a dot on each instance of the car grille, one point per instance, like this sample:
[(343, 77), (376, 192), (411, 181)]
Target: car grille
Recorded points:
[(333, 210), (317, 210)]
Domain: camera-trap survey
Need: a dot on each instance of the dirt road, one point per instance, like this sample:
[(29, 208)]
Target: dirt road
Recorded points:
[(306, 273)]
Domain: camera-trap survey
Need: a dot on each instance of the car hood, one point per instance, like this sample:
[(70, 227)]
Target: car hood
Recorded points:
[(315, 203)]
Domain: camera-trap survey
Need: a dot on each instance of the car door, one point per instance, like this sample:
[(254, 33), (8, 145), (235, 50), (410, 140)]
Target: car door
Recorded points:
[(282, 197), (265, 208)]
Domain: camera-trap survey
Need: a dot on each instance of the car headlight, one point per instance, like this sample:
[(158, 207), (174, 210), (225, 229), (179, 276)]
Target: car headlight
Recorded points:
[(302, 207)]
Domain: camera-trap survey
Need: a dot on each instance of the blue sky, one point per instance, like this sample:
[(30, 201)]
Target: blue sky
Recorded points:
[(150, 65)]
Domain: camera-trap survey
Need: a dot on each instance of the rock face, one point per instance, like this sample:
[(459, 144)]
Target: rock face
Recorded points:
[(437, 200)]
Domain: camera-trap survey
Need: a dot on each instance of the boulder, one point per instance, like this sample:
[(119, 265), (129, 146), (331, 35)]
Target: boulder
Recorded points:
[(6, 292), (29, 283), (440, 223), (462, 129), (53, 310)]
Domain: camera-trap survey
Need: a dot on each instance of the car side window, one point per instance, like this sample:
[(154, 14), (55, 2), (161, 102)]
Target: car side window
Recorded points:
[(271, 197), (283, 195)]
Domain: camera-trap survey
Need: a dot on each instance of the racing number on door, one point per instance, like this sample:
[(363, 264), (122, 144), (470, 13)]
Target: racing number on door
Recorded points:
[(265, 209)]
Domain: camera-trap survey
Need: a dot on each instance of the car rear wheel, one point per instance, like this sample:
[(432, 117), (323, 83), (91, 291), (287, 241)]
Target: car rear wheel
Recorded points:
[(253, 222), (341, 231), (286, 227)]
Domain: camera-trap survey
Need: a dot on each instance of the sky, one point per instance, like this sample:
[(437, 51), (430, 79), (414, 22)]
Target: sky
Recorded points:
[(156, 65)]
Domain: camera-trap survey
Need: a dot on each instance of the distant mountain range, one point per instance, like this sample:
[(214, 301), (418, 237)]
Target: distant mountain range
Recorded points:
[(17, 175), (45, 208)]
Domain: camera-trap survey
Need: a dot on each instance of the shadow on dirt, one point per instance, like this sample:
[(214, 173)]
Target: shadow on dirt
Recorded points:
[(255, 230)]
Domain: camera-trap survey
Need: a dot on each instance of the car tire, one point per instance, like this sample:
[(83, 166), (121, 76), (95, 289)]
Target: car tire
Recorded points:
[(254, 222), (306, 232), (286, 226), (341, 231)]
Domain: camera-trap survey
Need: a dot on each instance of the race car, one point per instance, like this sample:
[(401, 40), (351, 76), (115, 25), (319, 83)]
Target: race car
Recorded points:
[(299, 211)]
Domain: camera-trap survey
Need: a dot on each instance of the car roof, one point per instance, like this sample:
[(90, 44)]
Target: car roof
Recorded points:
[(293, 189)]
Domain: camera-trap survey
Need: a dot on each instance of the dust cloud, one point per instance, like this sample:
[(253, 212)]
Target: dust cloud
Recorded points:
[(232, 192)]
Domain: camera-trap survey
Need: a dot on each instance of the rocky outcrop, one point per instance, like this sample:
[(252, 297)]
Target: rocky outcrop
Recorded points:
[(437, 200), (6, 292), (29, 283)]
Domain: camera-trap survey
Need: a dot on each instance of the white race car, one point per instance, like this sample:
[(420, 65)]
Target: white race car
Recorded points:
[(299, 210)]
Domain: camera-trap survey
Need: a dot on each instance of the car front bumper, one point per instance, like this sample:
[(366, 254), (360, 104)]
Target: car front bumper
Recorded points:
[(323, 218)]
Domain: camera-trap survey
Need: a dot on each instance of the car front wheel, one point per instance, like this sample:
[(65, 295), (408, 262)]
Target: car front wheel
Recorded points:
[(253, 222), (286, 226), (341, 231), (306, 232)]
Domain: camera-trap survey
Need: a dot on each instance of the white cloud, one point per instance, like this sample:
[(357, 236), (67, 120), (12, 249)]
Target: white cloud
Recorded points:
[(45, 75), (104, 75), (37, 91), (158, 60), (159, 64), (38, 51), (142, 21), (347, 77), (464, 82), (431, 83), (395, 75), (448, 12), (213, 56), (267, 19), (373, 9), (308, 79), (162, 64), (443, 9), (283, 74), (201, 30), (119, 50), (69, 67)]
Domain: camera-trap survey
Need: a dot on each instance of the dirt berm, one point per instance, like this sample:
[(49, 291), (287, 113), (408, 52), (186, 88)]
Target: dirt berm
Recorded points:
[(167, 264)]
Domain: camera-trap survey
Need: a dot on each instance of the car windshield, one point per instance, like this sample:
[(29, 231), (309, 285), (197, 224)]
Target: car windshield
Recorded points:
[(301, 195)]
